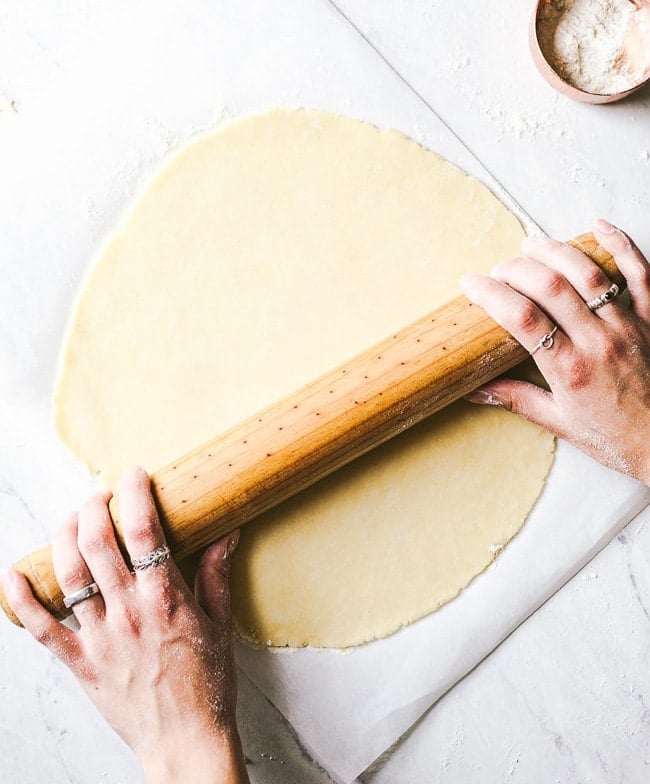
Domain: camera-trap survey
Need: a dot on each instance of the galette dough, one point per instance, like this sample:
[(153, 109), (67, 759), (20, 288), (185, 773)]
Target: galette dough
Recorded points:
[(261, 256)]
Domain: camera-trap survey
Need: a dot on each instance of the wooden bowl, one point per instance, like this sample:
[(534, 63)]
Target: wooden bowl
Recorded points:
[(557, 82)]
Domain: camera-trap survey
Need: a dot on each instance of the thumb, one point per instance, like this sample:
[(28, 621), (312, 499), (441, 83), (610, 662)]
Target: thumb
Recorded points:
[(521, 397), (211, 585)]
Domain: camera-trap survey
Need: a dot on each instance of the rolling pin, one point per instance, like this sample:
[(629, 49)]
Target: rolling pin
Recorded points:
[(293, 443)]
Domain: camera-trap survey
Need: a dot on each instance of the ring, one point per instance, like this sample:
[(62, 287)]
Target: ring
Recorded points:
[(546, 341), (155, 558), (81, 595), (607, 296)]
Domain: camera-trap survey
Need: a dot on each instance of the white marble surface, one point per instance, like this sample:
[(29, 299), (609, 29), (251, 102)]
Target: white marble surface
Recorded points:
[(92, 96)]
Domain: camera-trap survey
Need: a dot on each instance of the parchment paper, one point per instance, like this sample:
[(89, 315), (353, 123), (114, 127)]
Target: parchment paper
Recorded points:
[(350, 706)]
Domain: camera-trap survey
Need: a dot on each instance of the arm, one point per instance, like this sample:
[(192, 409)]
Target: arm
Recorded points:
[(156, 660), (598, 363)]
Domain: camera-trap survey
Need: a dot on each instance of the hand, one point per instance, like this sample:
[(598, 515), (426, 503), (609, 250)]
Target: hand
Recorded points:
[(154, 659), (598, 366)]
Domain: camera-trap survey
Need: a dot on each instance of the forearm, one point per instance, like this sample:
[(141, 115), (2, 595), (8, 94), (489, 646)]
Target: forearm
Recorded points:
[(209, 761), (644, 471)]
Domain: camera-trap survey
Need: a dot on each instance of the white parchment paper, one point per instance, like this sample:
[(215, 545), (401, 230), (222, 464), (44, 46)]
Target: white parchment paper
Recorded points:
[(350, 706)]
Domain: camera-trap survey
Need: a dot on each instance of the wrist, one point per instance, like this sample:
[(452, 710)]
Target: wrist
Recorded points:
[(641, 463), (644, 472), (214, 759)]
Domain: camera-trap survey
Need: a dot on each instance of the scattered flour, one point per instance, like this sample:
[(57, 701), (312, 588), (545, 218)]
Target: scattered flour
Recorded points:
[(593, 44), (8, 105), (521, 123), (461, 62)]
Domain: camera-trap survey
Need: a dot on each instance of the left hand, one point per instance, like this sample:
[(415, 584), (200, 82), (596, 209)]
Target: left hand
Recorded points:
[(597, 363), (154, 659)]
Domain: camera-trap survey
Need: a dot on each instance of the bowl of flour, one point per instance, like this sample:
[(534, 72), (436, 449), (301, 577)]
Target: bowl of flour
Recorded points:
[(596, 51)]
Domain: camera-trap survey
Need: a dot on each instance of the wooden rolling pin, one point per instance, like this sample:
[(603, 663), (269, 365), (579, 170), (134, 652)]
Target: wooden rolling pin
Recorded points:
[(292, 444)]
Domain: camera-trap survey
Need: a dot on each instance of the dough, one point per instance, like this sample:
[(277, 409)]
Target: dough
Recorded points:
[(261, 256)]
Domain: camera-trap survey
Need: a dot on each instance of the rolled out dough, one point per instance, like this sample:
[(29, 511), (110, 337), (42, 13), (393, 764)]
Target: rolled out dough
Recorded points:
[(261, 256)]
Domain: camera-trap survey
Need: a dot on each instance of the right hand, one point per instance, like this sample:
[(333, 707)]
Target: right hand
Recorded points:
[(598, 364)]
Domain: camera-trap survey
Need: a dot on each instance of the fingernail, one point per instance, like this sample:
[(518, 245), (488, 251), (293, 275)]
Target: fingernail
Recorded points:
[(605, 226), (484, 398), (232, 543), (469, 281), (8, 580), (498, 270), (530, 243)]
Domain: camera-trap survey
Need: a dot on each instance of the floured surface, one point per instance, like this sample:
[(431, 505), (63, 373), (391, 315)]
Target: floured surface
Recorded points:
[(260, 257)]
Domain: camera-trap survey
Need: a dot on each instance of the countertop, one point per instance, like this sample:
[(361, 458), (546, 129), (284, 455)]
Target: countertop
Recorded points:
[(93, 96)]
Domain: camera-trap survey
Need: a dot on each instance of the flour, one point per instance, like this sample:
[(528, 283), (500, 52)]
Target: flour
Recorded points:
[(586, 42), (8, 105)]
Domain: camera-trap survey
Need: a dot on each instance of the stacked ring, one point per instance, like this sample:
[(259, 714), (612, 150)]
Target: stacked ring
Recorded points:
[(81, 595), (546, 341), (606, 297), (155, 558)]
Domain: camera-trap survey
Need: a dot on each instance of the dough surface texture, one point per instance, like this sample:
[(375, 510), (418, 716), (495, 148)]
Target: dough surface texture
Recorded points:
[(261, 256)]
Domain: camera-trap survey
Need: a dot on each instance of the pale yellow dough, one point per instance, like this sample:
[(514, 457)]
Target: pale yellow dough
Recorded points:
[(261, 256)]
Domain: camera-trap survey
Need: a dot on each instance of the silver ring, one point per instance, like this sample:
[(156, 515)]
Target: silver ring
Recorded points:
[(81, 595), (546, 341), (155, 558), (607, 296)]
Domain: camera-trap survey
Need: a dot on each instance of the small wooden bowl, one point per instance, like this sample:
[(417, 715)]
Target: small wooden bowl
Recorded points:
[(560, 84)]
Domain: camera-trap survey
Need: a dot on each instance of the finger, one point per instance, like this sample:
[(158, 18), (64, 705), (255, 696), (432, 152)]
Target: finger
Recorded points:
[(521, 397), (43, 627), (143, 534), (516, 313), (72, 572), (631, 262), (583, 274), (98, 547), (551, 291), (211, 585)]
